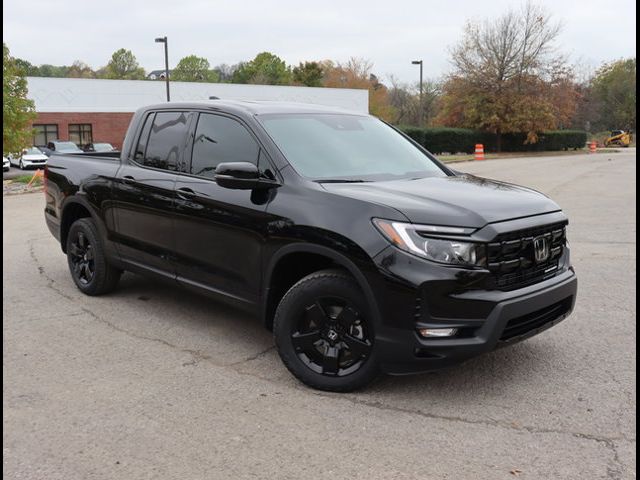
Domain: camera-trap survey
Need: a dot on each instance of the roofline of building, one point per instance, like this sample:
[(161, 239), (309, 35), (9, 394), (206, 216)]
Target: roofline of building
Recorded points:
[(77, 95)]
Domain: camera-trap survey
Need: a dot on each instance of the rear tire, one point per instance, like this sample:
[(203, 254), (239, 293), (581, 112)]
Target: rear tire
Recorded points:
[(324, 333), (88, 264)]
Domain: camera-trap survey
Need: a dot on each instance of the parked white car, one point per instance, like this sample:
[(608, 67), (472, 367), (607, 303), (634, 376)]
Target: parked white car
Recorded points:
[(31, 157), (6, 164), (100, 147)]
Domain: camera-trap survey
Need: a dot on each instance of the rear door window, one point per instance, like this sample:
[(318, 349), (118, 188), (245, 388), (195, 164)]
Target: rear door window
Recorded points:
[(167, 138), (141, 147)]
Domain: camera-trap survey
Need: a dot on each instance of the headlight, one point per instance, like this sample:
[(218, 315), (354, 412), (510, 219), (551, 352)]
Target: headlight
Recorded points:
[(420, 240)]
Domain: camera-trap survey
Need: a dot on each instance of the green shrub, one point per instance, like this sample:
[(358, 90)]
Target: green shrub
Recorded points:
[(563, 139), (416, 133), (450, 140), (440, 140), (456, 140)]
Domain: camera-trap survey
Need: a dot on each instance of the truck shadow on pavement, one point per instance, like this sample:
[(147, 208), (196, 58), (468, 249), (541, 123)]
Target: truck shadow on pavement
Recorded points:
[(229, 336)]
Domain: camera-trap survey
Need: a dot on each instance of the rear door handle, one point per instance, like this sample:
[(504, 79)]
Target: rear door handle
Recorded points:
[(128, 179), (185, 193)]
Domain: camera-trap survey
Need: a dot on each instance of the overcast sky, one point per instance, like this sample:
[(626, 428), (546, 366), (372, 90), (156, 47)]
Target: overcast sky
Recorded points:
[(390, 33)]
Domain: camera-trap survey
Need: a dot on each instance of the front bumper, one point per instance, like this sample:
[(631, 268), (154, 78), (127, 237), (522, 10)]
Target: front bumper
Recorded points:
[(34, 163), (485, 319)]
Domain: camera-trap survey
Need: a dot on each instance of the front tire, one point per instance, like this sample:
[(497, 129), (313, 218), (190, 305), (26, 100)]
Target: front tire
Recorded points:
[(324, 333), (88, 264)]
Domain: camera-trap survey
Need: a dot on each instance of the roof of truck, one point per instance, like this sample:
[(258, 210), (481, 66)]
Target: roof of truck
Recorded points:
[(254, 107)]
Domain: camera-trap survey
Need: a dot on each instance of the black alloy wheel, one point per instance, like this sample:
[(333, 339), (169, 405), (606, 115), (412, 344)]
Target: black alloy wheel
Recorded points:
[(82, 258), (89, 267), (331, 337), (324, 332)]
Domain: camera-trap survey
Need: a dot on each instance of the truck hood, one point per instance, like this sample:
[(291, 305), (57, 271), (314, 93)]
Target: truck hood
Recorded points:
[(461, 201)]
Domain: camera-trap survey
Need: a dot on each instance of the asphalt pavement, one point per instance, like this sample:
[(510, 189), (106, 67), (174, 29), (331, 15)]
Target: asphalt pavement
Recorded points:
[(155, 382), (16, 172)]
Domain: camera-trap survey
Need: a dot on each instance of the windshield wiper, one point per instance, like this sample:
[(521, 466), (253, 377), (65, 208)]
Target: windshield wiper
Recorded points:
[(340, 180)]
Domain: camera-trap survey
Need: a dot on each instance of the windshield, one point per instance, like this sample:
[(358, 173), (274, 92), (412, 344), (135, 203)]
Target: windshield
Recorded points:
[(67, 147), (33, 151), (346, 147)]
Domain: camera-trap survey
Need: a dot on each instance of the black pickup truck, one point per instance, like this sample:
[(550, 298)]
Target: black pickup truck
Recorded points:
[(359, 249)]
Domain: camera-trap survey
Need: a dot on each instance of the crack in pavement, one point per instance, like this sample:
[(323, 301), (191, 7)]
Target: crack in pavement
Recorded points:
[(50, 281), (494, 423), (252, 357), (607, 441), (614, 469), (196, 354)]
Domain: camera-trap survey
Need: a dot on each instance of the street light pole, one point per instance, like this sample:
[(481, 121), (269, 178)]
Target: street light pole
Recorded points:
[(166, 62), (419, 62)]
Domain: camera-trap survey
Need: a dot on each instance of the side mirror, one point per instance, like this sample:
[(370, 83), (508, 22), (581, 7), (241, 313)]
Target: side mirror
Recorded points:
[(241, 176)]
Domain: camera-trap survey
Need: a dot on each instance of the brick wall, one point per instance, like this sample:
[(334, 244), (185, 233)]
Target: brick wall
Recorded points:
[(106, 127)]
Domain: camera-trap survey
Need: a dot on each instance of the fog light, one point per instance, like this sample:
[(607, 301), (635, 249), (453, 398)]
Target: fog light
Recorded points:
[(437, 332)]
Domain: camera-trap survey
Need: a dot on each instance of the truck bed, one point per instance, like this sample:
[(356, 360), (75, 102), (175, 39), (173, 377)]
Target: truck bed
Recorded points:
[(66, 175)]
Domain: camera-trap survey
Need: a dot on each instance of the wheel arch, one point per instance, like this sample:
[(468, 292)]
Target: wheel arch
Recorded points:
[(75, 208), (324, 257)]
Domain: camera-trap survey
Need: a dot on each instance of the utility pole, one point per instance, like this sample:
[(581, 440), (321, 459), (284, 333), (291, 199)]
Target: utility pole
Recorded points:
[(420, 109), (166, 62)]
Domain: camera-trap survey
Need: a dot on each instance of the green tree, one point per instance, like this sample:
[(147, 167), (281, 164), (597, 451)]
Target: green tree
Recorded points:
[(123, 66), (17, 110), (80, 69), (614, 90), (194, 69), (265, 69), (27, 68), (225, 72), (308, 73), (47, 70)]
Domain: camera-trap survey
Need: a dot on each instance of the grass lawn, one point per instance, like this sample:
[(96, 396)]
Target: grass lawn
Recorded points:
[(26, 179)]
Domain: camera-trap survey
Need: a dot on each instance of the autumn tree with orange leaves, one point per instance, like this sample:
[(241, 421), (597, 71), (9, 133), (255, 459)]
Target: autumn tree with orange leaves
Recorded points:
[(508, 77), (357, 73)]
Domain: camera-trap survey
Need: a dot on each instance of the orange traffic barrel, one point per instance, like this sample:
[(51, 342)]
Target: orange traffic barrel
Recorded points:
[(592, 147), (479, 151)]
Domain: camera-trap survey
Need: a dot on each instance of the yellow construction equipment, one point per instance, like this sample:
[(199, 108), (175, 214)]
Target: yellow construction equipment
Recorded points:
[(618, 138)]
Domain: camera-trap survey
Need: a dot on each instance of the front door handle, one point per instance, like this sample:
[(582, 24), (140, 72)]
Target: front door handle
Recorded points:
[(185, 193), (128, 179)]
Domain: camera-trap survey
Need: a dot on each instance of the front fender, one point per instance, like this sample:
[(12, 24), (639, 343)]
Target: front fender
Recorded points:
[(356, 270)]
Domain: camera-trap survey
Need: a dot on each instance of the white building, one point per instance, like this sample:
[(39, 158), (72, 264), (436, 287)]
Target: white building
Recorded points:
[(87, 110)]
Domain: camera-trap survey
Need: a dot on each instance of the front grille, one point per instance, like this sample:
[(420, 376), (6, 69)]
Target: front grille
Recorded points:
[(417, 310), (511, 257), (532, 321)]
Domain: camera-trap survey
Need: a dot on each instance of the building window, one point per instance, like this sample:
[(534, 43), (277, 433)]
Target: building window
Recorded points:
[(80, 134), (44, 134)]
